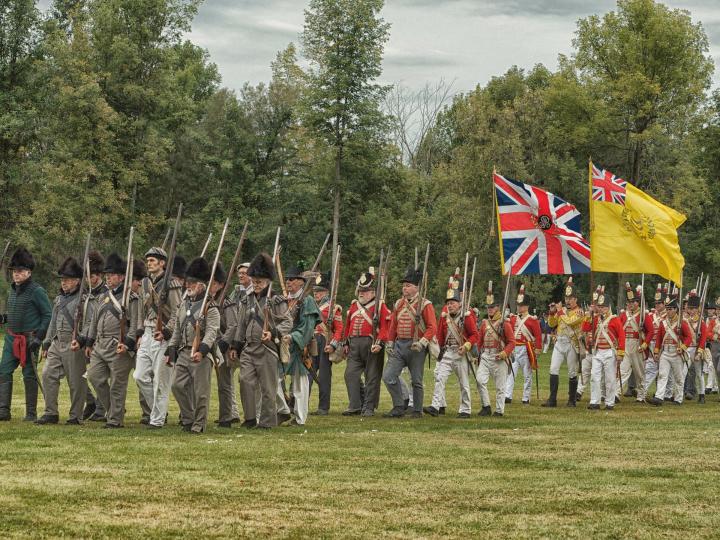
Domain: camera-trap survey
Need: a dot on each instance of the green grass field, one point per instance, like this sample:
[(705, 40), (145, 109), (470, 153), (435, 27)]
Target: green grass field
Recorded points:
[(638, 472)]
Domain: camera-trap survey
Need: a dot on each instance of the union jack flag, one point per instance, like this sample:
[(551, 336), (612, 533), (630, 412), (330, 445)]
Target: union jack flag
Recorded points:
[(606, 187), (540, 232)]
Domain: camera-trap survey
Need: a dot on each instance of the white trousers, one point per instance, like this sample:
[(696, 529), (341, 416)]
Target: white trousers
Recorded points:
[(153, 376), (603, 364), (301, 392), (497, 369), (452, 362), (564, 351), (520, 361), (633, 362), (585, 373), (670, 362)]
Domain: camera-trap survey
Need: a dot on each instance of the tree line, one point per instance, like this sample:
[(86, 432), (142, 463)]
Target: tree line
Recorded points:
[(110, 117)]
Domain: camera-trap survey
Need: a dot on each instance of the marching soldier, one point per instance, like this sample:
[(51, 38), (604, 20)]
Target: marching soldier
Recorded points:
[(365, 335), (496, 344), (412, 328), (243, 287), (226, 336), (672, 339), (528, 340), (322, 362), (635, 332), (306, 316), (94, 410), (653, 322), (607, 342), (26, 322), (63, 355), (456, 333), (152, 375), (112, 359), (696, 348), (262, 321), (193, 367), (566, 320)]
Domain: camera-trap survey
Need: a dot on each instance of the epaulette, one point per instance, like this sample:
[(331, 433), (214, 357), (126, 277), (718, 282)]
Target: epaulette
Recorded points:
[(353, 302), (278, 300), (426, 303), (175, 284), (228, 303)]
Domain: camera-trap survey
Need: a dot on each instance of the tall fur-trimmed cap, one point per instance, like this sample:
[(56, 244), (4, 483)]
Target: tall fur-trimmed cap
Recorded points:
[(139, 270), (570, 288), (22, 259), (262, 267), (322, 282), (602, 299), (454, 290), (199, 270), (413, 275), (179, 267), (366, 281), (70, 269), (490, 296), (97, 263), (630, 293), (693, 300), (523, 299), (114, 264), (220, 273)]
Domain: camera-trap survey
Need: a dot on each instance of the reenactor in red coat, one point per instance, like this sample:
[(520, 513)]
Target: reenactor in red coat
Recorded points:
[(528, 341), (636, 331)]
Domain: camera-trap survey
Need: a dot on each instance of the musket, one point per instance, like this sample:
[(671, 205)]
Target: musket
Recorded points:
[(125, 302), (167, 277), (79, 311), (278, 268), (501, 334), (421, 301), (204, 306), (334, 282), (167, 237), (698, 330), (236, 258), (205, 247), (276, 251), (463, 307), (468, 302), (378, 292), (4, 254), (384, 275)]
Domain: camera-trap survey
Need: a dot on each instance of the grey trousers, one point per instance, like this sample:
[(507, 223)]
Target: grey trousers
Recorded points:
[(323, 368), (226, 391), (402, 356), (259, 369), (191, 388), (109, 373), (361, 362), (63, 363)]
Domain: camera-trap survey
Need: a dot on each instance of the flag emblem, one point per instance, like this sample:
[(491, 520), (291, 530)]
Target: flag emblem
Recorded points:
[(606, 187), (539, 232)]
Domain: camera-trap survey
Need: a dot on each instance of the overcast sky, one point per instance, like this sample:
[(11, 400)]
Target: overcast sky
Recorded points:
[(467, 41)]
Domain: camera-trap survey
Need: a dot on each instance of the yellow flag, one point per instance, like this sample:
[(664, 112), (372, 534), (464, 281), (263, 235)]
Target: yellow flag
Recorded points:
[(630, 231)]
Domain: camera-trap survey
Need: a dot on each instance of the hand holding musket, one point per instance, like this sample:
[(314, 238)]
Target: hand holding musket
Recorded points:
[(167, 278), (79, 312)]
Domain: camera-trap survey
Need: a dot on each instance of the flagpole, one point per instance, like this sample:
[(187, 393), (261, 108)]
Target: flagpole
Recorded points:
[(591, 227), (499, 231)]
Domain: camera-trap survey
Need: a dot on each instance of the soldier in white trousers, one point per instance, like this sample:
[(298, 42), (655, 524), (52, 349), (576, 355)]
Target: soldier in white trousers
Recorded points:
[(698, 337), (636, 327), (607, 343), (528, 340), (496, 345), (457, 332)]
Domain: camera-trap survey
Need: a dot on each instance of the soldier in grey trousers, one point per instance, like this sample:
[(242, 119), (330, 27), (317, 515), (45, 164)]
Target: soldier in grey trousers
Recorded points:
[(64, 357), (111, 360), (258, 342), (193, 368)]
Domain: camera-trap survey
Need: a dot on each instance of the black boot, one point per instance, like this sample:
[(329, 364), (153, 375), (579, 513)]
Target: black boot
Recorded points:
[(572, 392), (31, 396), (554, 383), (485, 411), (701, 398), (5, 397)]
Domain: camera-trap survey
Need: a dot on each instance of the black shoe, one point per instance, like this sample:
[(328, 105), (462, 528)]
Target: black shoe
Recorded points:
[(187, 428), (689, 397), (367, 413), (609, 407), (235, 420), (153, 426), (508, 400), (319, 412), (549, 403), (432, 411), (701, 398), (654, 401), (225, 424), (676, 403), (89, 410), (249, 424), (441, 411), (463, 415), (111, 426), (416, 414), (282, 418), (350, 412), (497, 413), (97, 418), (72, 422), (395, 412), (258, 426), (30, 418), (47, 419), (594, 407), (485, 411), (144, 421), (526, 402), (667, 399)]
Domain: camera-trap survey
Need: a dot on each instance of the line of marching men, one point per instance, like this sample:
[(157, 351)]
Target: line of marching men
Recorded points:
[(260, 338)]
